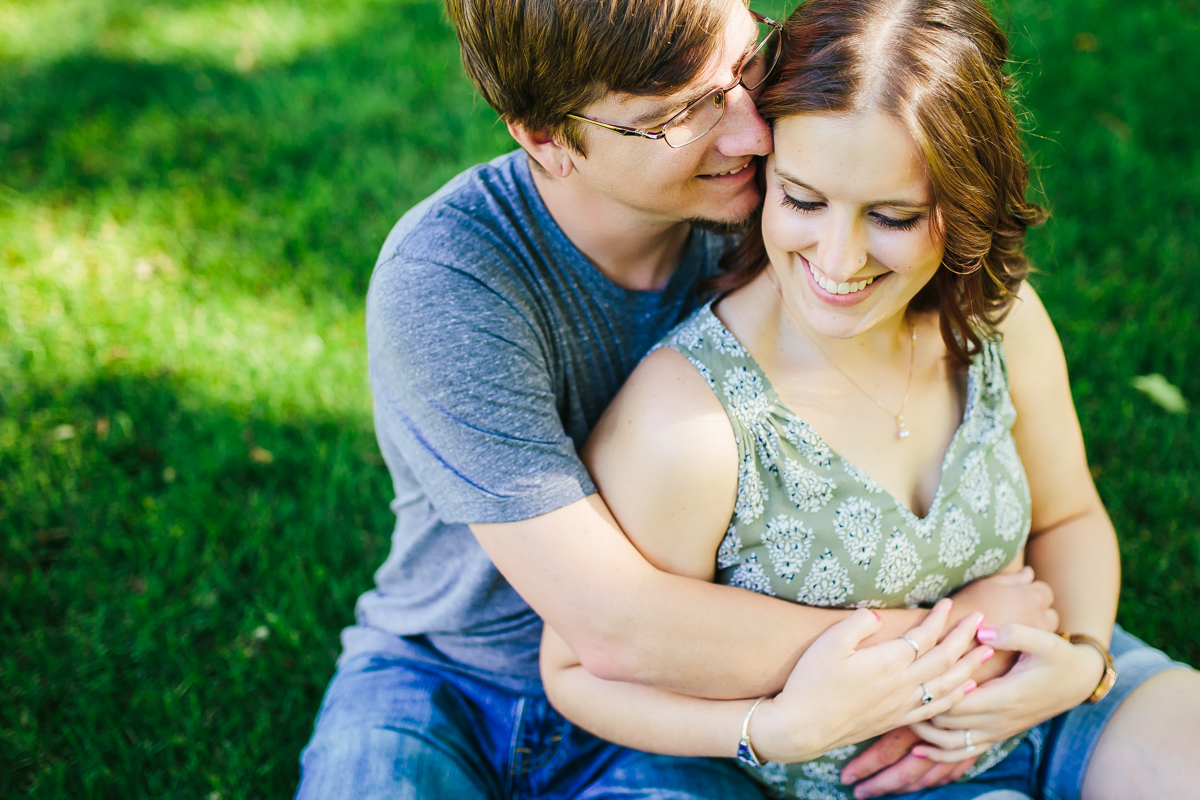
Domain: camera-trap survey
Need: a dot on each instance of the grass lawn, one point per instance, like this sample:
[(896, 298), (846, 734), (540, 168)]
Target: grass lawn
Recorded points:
[(192, 195)]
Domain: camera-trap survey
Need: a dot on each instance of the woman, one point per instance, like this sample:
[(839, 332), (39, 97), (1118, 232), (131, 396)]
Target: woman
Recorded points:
[(874, 413)]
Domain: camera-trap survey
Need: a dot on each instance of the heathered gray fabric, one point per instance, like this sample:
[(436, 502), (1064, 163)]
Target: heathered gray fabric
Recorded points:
[(494, 345)]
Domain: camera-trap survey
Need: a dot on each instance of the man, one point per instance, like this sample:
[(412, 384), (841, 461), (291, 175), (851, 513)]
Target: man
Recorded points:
[(504, 313)]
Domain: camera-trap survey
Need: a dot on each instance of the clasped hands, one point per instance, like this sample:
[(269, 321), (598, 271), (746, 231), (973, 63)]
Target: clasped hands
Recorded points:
[(1036, 676), (922, 694)]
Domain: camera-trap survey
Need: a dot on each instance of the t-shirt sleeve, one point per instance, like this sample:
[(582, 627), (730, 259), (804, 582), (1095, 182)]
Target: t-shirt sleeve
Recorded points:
[(464, 394)]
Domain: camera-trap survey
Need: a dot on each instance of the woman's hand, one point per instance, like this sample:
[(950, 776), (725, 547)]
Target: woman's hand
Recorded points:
[(1051, 676), (839, 694)]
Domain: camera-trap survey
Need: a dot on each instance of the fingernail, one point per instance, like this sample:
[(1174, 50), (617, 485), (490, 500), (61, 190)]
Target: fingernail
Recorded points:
[(919, 754), (849, 780), (979, 622), (877, 617), (986, 634), (971, 686), (987, 656)]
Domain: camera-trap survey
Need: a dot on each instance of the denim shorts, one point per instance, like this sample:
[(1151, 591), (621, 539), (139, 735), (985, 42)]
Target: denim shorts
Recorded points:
[(391, 727), (1052, 760)]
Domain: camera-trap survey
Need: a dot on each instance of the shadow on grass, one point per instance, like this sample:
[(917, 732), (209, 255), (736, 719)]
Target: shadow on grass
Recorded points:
[(285, 174), (171, 585)]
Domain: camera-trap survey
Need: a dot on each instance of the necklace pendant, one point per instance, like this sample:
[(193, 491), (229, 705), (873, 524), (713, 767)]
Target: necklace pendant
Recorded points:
[(903, 432)]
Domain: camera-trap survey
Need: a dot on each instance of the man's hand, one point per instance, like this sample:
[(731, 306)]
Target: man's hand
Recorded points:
[(1008, 597), (890, 767)]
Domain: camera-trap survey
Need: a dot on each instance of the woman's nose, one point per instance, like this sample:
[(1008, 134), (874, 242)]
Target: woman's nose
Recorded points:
[(843, 249)]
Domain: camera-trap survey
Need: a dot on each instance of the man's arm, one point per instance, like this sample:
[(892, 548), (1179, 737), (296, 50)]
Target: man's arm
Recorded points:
[(629, 621)]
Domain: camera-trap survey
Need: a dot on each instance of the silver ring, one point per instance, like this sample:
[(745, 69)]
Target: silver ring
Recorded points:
[(916, 647), (970, 744), (926, 697)]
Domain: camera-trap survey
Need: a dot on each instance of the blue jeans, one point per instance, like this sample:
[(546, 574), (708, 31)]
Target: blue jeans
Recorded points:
[(1052, 761), (394, 728)]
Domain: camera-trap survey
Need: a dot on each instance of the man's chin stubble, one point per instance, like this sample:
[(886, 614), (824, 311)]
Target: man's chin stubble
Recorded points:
[(724, 227)]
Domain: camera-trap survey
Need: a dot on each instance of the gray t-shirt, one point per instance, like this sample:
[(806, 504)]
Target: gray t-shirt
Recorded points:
[(494, 346)]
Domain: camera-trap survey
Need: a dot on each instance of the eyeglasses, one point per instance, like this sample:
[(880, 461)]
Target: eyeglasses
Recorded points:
[(701, 116)]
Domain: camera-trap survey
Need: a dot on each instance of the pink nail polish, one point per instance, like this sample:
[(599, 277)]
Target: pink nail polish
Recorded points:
[(979, 622), (970, 687), (877, 617), (986, 634), (987, 656), (917, 754)]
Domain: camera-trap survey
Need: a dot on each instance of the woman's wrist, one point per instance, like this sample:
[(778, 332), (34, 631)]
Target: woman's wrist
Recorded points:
[(779, 736), (1106, 675), (1087, 667)]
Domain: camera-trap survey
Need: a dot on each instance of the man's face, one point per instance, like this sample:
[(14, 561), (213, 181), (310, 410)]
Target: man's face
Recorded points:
[(710, 181)]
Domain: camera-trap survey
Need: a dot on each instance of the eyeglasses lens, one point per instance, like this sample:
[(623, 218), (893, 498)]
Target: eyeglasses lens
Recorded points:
[(703, 115)]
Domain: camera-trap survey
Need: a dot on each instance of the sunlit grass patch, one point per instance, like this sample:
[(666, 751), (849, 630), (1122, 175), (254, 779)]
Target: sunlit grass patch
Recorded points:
[(85, 298), (241, 36)]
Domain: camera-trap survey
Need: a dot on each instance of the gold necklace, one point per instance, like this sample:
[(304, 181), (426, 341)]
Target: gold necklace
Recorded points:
[(902, 431)]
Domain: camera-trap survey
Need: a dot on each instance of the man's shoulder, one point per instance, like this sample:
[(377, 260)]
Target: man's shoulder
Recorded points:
[(483, 208)]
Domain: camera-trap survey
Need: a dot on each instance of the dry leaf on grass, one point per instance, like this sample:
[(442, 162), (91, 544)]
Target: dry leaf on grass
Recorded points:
[(1162, 392)]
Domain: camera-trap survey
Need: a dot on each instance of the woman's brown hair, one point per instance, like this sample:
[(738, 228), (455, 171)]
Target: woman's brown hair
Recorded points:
[(937, 66)]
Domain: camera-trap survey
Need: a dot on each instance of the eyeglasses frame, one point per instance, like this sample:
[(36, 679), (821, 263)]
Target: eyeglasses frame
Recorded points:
[(625, 130)]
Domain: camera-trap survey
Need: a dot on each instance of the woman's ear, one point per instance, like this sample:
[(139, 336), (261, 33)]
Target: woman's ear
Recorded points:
[(551, 155)]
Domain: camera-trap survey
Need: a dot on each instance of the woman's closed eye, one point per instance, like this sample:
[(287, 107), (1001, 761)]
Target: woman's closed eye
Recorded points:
[(801, 205), (894, 224), (883, 220)]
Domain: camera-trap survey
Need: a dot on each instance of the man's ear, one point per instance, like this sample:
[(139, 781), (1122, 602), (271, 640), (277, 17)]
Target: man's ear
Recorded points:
[(553, 157)]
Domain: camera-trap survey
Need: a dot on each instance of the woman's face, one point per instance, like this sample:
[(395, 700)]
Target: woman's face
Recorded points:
[(846, 221)]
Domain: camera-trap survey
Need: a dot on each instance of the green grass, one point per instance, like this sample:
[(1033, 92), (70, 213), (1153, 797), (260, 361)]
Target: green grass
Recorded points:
[(192, 195)]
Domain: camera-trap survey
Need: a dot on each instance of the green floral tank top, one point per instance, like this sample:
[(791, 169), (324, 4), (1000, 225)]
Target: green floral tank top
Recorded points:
[(810, 527)]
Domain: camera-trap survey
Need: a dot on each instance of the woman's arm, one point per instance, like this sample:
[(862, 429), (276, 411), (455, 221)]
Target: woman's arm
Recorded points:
[(1072, 546)]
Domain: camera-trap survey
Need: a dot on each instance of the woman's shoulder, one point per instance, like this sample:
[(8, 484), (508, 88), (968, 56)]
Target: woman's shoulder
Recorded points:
[(1031, 347), (666, 411), (664, 458)]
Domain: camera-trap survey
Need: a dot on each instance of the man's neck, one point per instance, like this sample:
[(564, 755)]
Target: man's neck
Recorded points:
[(629, 247)]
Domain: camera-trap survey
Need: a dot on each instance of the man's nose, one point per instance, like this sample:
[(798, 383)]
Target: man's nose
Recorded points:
[(742, 132)]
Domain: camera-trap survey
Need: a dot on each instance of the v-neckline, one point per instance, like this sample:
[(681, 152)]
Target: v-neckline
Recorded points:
[(972, 400)]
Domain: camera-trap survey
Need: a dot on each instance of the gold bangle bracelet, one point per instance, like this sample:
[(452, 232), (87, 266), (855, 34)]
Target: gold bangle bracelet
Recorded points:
[(1110, 673)]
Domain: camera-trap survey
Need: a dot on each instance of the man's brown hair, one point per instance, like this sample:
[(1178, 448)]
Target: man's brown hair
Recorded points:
[(937, 66), (535, 61)]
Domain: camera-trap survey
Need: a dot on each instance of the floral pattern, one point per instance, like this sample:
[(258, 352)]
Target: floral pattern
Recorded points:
[(810, 526), (788, 543)]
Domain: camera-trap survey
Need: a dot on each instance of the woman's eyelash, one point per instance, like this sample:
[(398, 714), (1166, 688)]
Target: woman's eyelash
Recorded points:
[(890, 223), (897, 224), (800, 205)]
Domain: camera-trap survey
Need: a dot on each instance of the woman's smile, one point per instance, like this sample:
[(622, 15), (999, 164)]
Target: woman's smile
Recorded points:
[(845, 293)]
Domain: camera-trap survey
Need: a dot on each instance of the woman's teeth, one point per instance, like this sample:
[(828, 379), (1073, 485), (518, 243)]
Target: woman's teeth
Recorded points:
[(839, 288)]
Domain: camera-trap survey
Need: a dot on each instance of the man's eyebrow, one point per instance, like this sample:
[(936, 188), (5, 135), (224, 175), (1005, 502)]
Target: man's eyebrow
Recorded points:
[(662, 112), (894, 203)]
